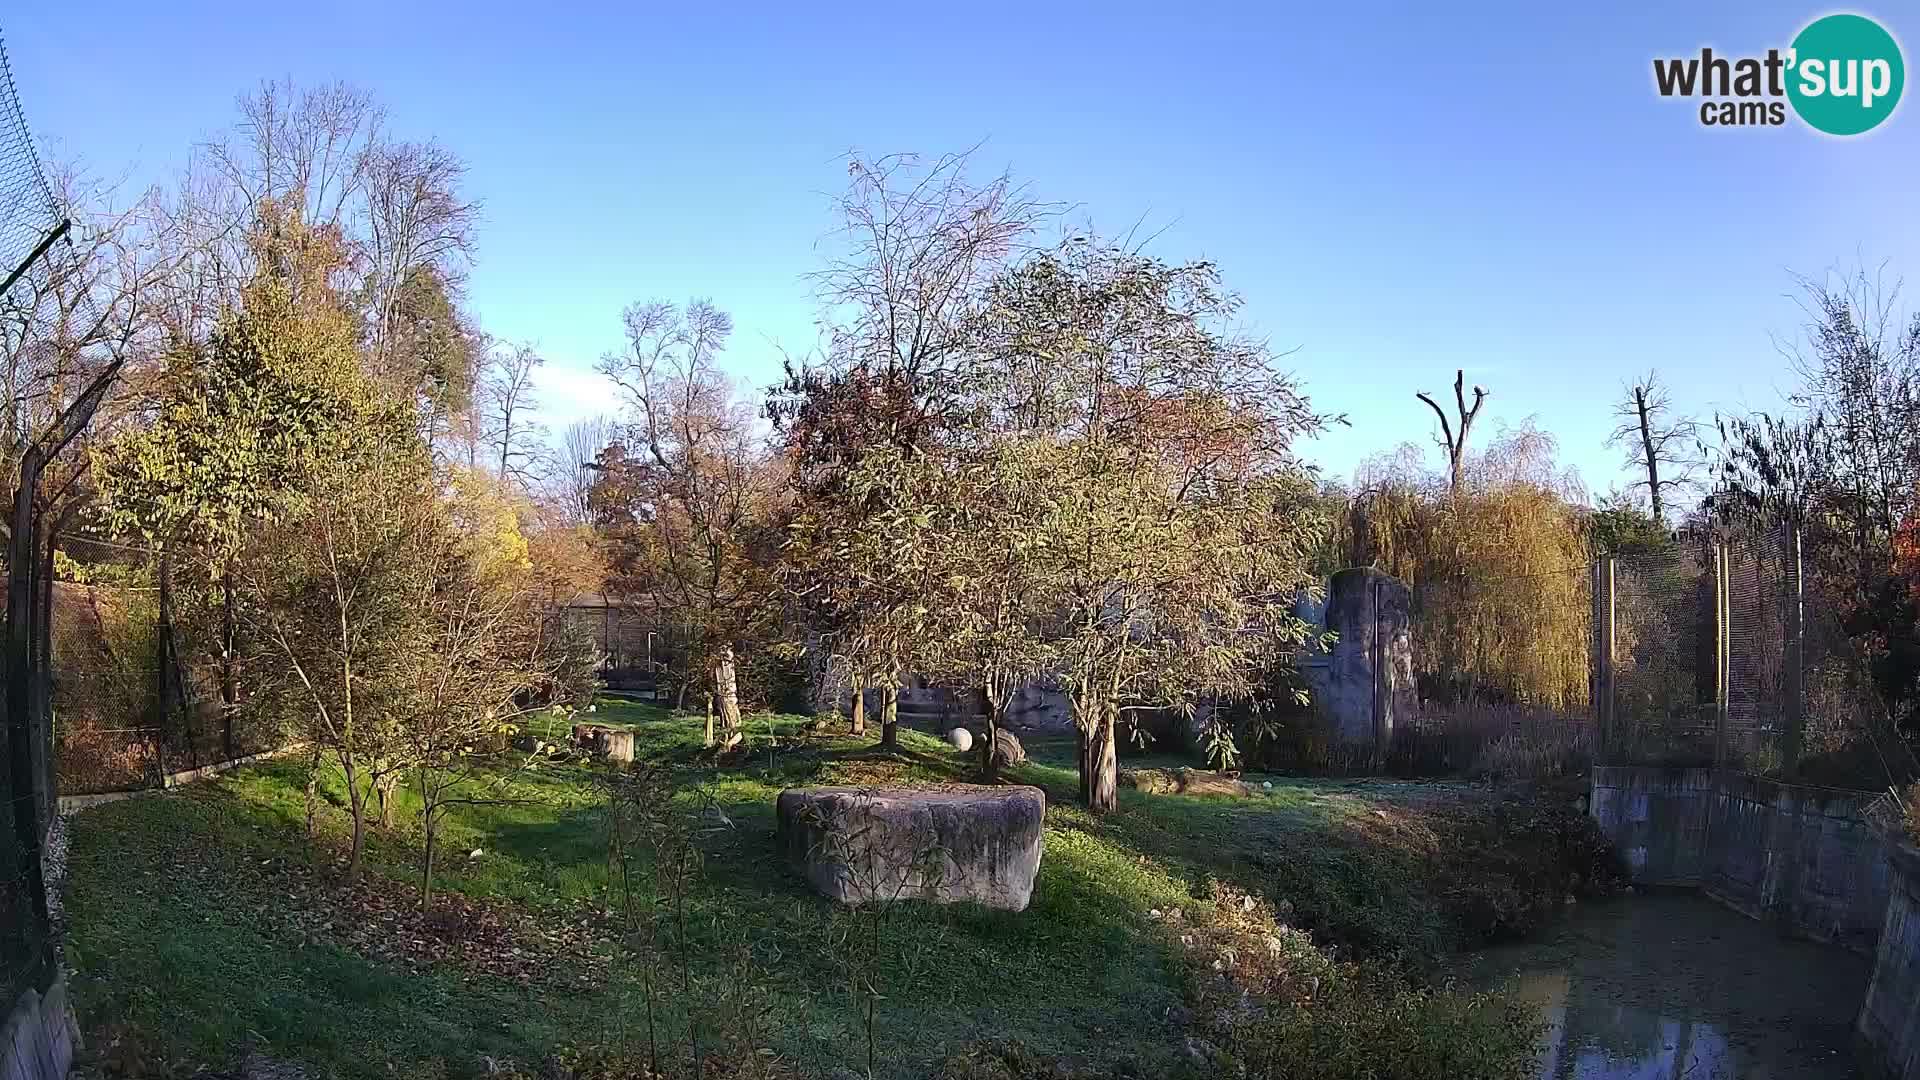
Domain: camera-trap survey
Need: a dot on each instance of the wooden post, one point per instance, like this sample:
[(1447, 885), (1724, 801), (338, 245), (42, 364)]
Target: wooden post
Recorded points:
[(1604, 718), (1796, 633), (1722, 656)]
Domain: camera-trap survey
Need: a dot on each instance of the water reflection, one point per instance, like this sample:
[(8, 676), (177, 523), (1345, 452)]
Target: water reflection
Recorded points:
[(1679, 988)]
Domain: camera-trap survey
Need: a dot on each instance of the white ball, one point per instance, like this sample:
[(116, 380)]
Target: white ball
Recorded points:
[(961, 738)]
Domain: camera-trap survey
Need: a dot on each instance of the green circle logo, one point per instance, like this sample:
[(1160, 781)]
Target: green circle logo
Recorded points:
[(1845, 74)]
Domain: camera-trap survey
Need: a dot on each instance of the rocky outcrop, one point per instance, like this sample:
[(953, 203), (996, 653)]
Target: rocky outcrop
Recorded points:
[(946, 844)]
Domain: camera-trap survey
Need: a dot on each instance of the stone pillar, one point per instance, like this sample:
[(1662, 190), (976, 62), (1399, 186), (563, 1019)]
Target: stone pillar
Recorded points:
[(1368, 686)]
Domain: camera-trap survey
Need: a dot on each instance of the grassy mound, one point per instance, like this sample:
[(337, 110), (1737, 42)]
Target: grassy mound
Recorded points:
[(204, 925)]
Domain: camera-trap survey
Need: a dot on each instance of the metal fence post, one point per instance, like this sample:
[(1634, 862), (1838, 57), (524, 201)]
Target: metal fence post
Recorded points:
[(1796, 688), (1606, 720), (1722, 654)]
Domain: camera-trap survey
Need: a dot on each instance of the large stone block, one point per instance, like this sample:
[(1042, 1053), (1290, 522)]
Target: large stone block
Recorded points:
[(945, 844), (1365, 686)]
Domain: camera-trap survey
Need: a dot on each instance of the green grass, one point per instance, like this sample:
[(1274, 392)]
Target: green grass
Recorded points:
[(175, 937)]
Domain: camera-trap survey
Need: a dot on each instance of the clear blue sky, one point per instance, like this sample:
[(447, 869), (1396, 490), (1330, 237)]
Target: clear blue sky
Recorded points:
[(1395, 191)]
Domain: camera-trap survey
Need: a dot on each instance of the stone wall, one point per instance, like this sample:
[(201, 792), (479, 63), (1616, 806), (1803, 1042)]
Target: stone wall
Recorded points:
[(1365, 687), (40, 1036), (1889, 1025), (1803, 856)]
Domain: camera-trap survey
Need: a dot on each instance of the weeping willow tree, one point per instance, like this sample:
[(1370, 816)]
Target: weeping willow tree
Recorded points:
[(1502, 600)]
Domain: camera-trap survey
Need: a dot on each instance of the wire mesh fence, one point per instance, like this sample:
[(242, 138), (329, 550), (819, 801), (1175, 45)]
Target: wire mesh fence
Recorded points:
[(30, 219), (110, 731), (1655, 620), (1731, 651)]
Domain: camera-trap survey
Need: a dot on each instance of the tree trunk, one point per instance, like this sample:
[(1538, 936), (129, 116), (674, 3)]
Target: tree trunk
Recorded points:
[(996, 713), (890, 717), (313, 788), (1103, 792), (1099, 758), (175, 717), (1651, 453), (709, 737), (859, 717), (429, 827), (384, 785), (726, 691), (426, 871), (357, 807)]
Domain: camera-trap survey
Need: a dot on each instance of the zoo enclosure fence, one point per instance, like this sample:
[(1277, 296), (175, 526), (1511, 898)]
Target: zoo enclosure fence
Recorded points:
[(1731, 652)]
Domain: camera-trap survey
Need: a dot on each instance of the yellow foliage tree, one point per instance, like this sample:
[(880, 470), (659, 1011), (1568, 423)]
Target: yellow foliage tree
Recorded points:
[(1502, 596)]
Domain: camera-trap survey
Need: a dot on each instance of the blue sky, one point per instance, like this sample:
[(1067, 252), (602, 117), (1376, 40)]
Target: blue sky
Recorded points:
[(1397, 192)]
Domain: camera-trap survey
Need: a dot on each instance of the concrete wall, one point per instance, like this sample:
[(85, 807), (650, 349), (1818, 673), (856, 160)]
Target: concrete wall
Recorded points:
[(1806, 857), (1889, 1025), (1657, 818), (40, 1036), (1803, 856)]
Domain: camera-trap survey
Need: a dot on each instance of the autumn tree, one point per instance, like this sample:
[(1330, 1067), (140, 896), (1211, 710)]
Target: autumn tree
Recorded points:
[(341, 612), (227, 421), (429, 352), (686, 501), (480, 657), (1180, 518), (915, 243), (272, 422), (1498, 569), (873, 586), (995, 566), (1841, 463)]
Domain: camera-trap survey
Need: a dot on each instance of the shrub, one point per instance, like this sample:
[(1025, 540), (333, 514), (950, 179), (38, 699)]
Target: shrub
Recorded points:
[(1504, 872), (1546, 755), (1268, 1003)]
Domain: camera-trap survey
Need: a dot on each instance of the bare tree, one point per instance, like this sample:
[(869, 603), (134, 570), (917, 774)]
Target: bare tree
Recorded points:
[(307, 146), (509, 404), (1456, 446), (415, 218), (917, 243), (580, 448), (1859, 364), (1661, 448)]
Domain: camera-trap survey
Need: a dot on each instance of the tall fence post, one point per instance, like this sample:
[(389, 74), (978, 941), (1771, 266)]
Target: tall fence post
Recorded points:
[(1722, 654), (1604, 718), (1796, 674)]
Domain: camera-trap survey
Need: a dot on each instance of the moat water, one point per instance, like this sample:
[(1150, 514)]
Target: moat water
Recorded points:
[(1676, 987)]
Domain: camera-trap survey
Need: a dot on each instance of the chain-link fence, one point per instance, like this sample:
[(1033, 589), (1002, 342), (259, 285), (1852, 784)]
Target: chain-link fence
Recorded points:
[(1728, 650), (1653, 639), (110, 731), (30, 221)]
